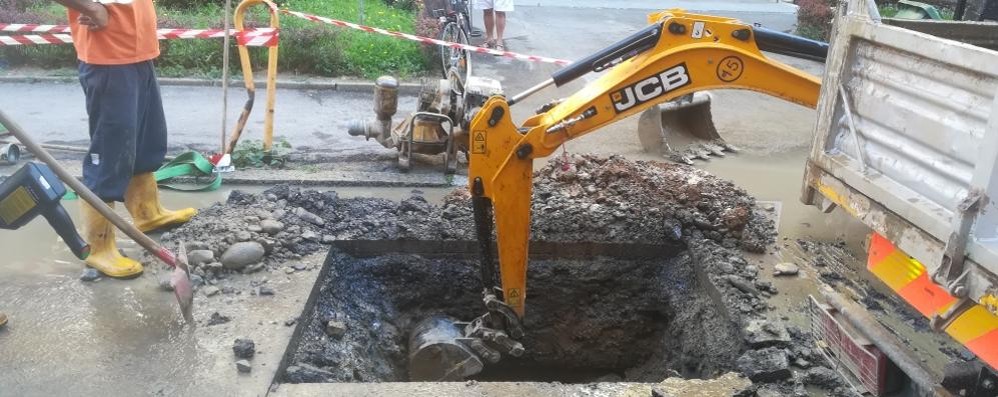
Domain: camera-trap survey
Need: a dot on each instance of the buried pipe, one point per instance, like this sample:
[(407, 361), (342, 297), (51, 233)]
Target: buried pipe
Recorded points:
[(875, 332)]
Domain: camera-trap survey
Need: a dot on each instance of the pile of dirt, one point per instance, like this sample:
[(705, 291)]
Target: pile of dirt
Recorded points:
[(586, 198)]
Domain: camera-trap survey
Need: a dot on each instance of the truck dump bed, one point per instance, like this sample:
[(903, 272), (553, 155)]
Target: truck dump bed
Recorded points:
[(907, 142)]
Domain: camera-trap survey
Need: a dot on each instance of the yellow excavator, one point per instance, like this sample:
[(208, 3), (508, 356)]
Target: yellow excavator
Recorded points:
[(678, 54)]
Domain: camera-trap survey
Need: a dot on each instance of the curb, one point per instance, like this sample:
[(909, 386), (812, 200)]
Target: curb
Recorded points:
[(345, 86)]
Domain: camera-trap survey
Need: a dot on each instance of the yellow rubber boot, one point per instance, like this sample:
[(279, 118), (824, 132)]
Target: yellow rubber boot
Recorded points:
[(142, 201), (104, 255)]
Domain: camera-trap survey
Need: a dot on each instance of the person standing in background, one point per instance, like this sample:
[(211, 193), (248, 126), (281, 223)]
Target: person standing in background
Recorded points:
[(495, 20)]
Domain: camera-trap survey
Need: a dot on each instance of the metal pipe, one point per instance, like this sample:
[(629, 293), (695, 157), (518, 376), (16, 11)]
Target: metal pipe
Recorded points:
[(886, 342), (530, 91)]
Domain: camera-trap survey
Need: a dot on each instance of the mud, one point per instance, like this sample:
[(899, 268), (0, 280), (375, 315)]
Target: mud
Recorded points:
[(586, 320)]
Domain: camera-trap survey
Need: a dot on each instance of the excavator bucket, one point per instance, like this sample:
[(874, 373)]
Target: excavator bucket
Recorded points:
[(682, 130), (437, 352)]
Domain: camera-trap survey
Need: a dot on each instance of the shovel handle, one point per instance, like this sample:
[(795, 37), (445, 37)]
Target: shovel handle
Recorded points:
[(87, 195)]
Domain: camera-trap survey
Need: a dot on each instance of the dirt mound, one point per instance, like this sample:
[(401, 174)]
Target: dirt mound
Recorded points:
[(586, 198)]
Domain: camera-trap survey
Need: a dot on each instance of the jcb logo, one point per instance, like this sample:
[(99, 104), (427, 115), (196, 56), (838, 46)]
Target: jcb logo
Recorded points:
[(650, 88)]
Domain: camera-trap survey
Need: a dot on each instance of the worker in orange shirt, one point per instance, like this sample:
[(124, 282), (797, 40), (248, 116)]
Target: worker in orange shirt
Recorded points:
[(116, 43)]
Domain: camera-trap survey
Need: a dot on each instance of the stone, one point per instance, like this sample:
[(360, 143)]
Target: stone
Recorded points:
[(336, 329), (310, 235), (300, 266), (164, 282), (328, 239), (89, 274), (242, 254), (289, 270), (254, 228), (265, 291), (210, 290), (200, 257), (802, 363), (271, 226), (244, 366), (660, 391), (762, 333), (823, 377), (785, 269), (243, 235), (215, 266), (766, 365), (309, 217), (291, 321), (742, 285), (218, 318), (244, 348), (196, 281), (304, 373)]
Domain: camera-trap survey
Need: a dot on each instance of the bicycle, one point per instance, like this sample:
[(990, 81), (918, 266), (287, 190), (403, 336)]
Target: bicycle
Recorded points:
[(456, 22)]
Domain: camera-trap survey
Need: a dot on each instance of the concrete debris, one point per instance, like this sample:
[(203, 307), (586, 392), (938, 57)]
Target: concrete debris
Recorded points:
[(785, 269), (763, 333), (335, 329), (242, 254), (309, 217), (217, 318), (766, 365), (823, 377), (200, 257), (271, 226), (244, 348), (89, 274), (244, 366)]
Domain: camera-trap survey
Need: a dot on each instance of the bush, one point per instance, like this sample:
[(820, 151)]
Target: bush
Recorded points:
[(814, 18), (306, 47)]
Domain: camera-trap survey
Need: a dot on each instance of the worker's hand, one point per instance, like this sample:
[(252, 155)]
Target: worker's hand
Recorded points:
[(95, 18)]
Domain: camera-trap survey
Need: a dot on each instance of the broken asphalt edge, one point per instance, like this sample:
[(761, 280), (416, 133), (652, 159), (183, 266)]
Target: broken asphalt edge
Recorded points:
[(333, 85), (304, 318)]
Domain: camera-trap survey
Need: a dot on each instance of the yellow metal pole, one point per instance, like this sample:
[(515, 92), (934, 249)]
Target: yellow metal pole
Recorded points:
[(244, 61)]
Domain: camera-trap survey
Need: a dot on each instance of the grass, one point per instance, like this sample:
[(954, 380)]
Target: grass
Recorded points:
[(306, 47)]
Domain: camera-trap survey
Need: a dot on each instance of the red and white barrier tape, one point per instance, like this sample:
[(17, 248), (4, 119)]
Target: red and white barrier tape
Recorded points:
[(55, 34), (427, 40), (24, 27), (256, 37)]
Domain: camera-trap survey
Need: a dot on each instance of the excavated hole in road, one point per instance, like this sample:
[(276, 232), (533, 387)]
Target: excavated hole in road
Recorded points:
[(597, 319)]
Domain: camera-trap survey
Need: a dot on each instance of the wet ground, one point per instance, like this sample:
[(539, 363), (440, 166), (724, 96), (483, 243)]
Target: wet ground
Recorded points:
[(65, 334)]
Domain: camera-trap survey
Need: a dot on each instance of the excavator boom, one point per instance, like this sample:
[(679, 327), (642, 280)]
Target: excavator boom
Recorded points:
[(677, 54)]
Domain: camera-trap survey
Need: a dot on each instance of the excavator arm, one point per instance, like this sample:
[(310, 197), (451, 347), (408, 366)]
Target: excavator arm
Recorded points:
[(678, 54)]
